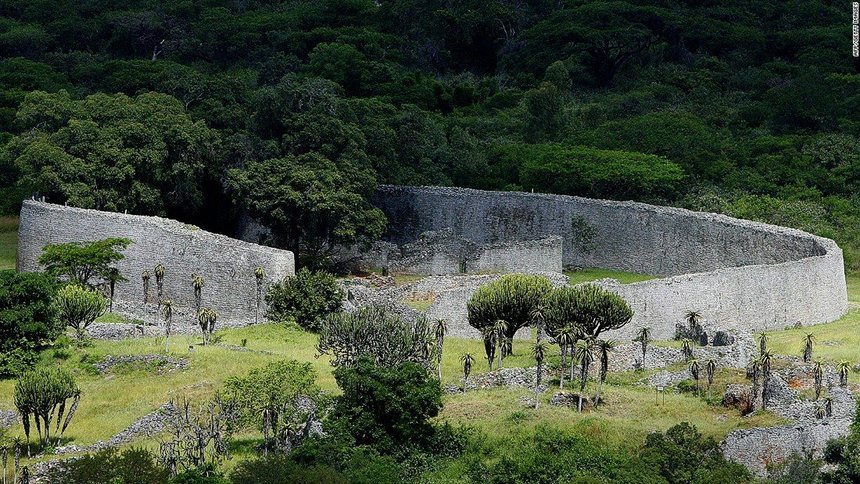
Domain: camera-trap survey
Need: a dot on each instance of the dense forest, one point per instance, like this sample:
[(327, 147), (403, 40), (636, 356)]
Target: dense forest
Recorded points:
[(195, 110)]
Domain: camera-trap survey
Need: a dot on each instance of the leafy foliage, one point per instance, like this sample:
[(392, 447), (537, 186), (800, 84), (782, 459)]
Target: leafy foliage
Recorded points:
[(387, 407), (279, 398), (378, 334), (78, 307), (79, 262), (111, 466), (308, 298), (682, 454), (28, 319)]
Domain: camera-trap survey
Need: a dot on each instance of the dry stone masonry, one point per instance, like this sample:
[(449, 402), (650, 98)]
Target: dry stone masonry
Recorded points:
[(739, 274), (226, 265)]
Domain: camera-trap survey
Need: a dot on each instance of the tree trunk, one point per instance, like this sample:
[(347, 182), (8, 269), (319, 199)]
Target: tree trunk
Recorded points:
[(597, 395), (563, 363)]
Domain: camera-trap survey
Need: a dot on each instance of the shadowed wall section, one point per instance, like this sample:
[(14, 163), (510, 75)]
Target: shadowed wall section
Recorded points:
[(227, 265)]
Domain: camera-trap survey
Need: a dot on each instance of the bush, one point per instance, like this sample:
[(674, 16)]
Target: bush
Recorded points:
[(79, 307), (683, 455), (110, 466), (28, 319), (306, 298), (279, 469), (277, 390), (388, 408), (375, 333)]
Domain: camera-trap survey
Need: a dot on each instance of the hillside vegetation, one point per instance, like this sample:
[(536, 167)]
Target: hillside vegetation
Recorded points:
[(200, 110)]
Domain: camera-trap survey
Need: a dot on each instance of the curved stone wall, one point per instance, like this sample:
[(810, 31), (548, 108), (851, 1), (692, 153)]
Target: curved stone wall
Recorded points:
[(227, 265), (736, 273)]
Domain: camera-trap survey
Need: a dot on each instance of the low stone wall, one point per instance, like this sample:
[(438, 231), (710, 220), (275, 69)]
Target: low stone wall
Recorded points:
[(738, 274), (756, 448), (226, 265)]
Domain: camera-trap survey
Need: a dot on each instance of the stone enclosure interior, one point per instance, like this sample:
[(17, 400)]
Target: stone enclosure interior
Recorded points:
[(738, 274)]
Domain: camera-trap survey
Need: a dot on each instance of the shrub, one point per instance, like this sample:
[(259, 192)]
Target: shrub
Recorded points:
[(273, 399), (43, 394), (388, 408), (375, 333), (28, 319), (279, 469), (110, 466), (79, 307), (307, 298), (683, 455)]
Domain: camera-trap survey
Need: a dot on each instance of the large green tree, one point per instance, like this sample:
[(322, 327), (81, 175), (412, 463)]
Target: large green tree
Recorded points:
[(141, 154), (310, 204)]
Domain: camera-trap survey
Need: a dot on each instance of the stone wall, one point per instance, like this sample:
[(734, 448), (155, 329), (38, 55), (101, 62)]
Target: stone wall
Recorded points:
[(227, 265), (738, 274), (441, 252)]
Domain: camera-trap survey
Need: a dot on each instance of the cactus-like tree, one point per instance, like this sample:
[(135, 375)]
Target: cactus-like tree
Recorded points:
[(565, 338), (762, 343), (644, 338), (687, 349), (693, 365), (167, 312), (207, 318), (197, 284), (710, 370), (512, 298), (818, 378), (112, 277), (843, 368), (259, 275), (439, 330), (159, 280), (43, 395), (754, 372), (828, 405), (539, 353), (584, 356), (467, 360), (144, 276), (604, 348), (766, 362), (808, 341)]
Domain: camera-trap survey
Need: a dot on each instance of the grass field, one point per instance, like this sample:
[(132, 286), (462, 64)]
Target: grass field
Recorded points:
[(592, 274), (8, 242)]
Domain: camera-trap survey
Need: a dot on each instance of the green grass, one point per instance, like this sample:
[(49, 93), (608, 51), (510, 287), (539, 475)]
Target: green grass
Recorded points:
[(592, 274), (116, 318), (835, 341), (8, 242)]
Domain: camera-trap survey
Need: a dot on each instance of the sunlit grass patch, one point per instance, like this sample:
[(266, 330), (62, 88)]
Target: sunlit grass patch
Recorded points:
[(593, 274)]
